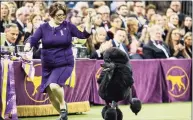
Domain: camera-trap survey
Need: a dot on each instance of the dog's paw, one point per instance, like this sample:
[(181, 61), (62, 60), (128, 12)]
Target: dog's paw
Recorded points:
[(119, 114), (110, 114), (105, 108)]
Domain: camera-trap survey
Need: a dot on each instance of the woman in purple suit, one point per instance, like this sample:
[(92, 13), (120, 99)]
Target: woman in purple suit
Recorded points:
[(56, 55)]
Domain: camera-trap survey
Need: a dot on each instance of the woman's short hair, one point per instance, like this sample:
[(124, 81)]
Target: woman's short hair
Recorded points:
[(55, 7)]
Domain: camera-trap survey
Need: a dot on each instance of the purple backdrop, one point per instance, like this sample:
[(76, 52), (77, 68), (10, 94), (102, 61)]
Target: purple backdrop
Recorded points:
[(153, 82), (147, 80)]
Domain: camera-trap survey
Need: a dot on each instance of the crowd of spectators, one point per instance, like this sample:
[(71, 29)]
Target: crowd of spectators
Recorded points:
[(139, 30)]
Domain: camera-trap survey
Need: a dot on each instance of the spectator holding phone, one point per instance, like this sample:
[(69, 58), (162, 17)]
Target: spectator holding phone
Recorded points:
[(177, 49)]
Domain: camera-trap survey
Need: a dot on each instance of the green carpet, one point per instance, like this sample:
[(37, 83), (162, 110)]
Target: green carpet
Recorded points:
[(162, 111)]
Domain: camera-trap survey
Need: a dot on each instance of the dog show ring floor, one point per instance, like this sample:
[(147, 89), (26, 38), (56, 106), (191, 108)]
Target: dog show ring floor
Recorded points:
[(161, 111)]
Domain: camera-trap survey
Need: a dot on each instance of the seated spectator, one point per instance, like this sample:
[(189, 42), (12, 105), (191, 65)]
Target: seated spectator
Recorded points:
[(105, 12), (173, 21), (188, 44), (4, 19), (35, 20), (115, 23), (120, 40), (134, 46), (96, 20), (98, 43), (22, 17), (11, 34), (176, 6), (175, 44), (12, 8), (156, 48), (186, 25), (150, 10), (123, 11)]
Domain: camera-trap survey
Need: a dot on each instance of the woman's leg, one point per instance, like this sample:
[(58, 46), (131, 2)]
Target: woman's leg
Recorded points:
[(53, 99), (58, 92)]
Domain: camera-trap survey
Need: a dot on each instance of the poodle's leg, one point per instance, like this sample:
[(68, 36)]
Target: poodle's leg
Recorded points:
[(114, 104)]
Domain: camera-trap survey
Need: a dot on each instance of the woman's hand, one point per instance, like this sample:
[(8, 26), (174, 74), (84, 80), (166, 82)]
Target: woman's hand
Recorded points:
[(104, 46), (89, 23), (181, 47), (176, 47), (27, 56), (27, 47)]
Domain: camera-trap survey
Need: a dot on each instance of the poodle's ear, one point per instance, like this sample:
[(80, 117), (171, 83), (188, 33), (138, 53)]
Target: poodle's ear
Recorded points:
[(115, 55)]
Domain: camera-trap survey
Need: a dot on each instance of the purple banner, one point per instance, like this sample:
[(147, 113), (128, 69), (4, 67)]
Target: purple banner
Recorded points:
[(147, 80), (177, 75), (8, 108), (28, 91)]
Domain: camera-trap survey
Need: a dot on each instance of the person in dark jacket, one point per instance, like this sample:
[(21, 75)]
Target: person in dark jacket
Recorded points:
[(156, 48)]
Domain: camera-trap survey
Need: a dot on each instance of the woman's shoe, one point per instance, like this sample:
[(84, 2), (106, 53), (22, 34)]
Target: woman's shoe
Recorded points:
[(63, 114)]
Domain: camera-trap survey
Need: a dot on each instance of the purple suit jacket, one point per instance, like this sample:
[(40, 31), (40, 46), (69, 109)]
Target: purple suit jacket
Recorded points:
[(57, 43)]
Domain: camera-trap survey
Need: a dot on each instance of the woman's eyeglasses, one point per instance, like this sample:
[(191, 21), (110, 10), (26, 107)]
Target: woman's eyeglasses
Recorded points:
[(60, 15)]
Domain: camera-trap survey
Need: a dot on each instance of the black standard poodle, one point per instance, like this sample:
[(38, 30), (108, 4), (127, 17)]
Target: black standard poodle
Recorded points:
[(115, 83)]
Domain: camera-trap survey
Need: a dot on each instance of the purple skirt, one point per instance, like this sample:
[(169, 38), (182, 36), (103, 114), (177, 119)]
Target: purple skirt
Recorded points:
[(57, 75)]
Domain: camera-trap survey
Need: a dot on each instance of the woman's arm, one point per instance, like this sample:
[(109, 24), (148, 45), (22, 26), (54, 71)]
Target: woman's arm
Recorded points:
[(82, 35), (35, 37), (32, 41)]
